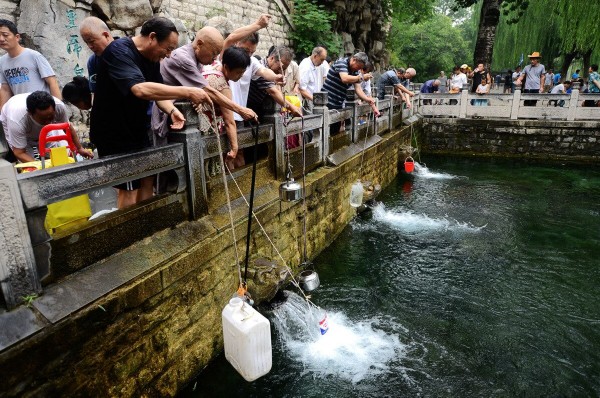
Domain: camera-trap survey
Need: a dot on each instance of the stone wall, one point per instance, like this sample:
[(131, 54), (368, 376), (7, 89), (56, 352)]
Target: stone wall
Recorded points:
[(150, 336), (544, 139)]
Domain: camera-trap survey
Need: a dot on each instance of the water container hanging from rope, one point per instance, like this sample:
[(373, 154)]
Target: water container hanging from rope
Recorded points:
[(309, 280), (247, 339), (323, 325), (356, 194), (409, 164), (290, 191)]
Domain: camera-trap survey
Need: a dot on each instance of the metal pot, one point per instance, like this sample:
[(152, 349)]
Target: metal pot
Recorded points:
[(290, 191), (309, 280)]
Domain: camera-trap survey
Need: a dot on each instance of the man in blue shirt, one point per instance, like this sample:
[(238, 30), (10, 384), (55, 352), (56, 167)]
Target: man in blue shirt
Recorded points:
[(399, 78), (429, 87)]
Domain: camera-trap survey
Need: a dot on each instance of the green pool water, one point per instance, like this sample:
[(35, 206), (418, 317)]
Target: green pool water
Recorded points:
[(472, 278)]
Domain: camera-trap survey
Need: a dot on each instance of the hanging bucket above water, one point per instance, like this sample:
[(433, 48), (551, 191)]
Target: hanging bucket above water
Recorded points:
[(309, 280), (409, 164), (290, 191)]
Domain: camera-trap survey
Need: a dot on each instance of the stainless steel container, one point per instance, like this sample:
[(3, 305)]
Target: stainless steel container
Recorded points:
[(290, 191), (309, 280)]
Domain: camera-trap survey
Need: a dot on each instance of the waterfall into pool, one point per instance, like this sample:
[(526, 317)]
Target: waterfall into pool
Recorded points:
[(468, 278)]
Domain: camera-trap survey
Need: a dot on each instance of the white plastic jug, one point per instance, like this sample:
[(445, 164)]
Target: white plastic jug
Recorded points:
[(247, 338), (356, 194)]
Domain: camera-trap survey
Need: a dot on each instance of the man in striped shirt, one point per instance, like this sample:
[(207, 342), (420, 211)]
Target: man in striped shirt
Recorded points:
[(344, 73)]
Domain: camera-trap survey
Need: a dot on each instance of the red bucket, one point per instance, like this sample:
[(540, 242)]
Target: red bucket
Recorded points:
[(409, 165)]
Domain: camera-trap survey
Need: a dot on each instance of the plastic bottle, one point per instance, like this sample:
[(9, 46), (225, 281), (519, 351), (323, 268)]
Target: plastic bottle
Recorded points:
[(356, 194), (247, 339)]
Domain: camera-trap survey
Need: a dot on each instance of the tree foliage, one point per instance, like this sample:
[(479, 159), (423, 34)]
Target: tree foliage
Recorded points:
[(408, 10), (312, 24), (430, 46), (559, 30), (511, 9)]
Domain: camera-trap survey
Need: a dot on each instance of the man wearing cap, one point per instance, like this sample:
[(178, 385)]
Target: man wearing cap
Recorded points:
[(534, 75)]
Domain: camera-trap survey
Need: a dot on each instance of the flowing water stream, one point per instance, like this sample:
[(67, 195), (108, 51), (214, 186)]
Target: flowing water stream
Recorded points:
[(469, 278)]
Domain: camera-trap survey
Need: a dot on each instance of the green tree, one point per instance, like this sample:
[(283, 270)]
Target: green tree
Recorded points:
[(489, 19), (430, 46), (312, 24)]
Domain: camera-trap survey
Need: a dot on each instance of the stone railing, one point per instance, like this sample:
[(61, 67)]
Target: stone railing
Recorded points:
[(30, 261), (515, 106)]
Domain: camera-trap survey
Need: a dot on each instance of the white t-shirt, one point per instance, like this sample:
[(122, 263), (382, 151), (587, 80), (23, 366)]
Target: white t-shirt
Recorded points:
[(240, 89), (558, 89), (21, 130), (458, 81), (26, 72)]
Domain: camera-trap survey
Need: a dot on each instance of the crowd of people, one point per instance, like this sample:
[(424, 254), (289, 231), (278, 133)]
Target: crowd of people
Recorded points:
[(532, 79), (133, 82)]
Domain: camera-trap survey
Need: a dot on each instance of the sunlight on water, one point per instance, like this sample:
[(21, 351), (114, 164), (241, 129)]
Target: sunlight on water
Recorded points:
[(410, 222), (350, 350), (422, 171)]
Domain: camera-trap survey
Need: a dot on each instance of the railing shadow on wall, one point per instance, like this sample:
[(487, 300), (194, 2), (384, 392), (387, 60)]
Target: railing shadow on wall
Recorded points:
[(32, 258)]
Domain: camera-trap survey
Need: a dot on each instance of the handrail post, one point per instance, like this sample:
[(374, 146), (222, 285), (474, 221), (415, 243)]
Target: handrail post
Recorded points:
[(353, 103), (464, 99), (194, 151), (320, 108), (514, 111), (389, 94), (18, 273), (573, 102)]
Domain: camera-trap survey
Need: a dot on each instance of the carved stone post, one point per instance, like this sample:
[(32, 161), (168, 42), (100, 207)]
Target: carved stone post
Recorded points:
[(18, 276), (514, 111), (352, 102), (573, 102), (320, 108), (194, 151), (389, 95), (464, 99)]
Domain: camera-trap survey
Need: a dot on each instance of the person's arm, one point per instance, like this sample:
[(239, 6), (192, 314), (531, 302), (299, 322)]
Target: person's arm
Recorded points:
[(22, 155), (80, 149), (53, 85), (269, 75), (244, 31), (277, 95), (168, 107), (306, 94), (542, 80), (350, 79), (230, 127), (370, 100), (403, 89), (5, 94), (156, 92)]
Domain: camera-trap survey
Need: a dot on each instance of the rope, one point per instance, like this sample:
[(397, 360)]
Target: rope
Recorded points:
[(287, 268), (251, 205), (305, 259), (224, 177), (362, 156)]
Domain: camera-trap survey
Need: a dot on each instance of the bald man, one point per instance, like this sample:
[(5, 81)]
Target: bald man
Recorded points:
[(184, 68), (97, 37)]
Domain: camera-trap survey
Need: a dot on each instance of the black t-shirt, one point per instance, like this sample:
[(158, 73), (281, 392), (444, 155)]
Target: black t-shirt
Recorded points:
[(508, 79), (477, 76), (119, 120)]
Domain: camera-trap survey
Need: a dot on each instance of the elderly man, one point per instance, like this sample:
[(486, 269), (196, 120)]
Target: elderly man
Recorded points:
[(311, 75), (247, 39), (128, 78), (535, 74), (22, 70), (97, 37), (277, 61), (23, 117), (342, 75), (184, 68), (399, 78), (430, 87)]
